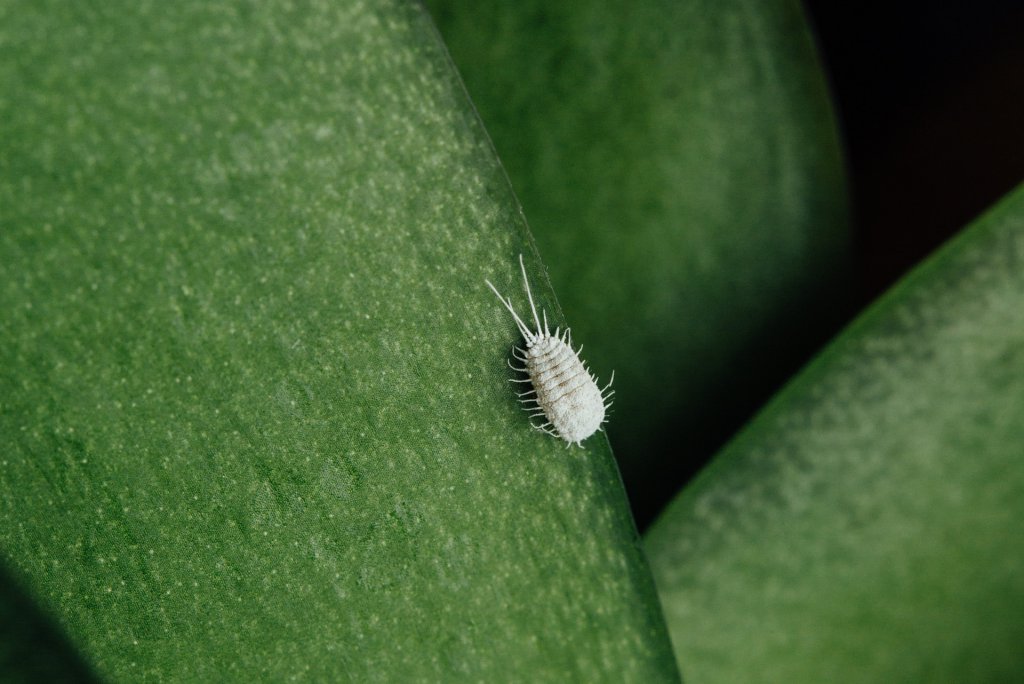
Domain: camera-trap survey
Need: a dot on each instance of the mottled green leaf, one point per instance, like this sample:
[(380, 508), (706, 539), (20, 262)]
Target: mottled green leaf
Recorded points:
[(866, 527), (253, 391)]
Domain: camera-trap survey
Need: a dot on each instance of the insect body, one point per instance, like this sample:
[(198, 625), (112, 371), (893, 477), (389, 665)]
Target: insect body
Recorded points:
[(564, 392)]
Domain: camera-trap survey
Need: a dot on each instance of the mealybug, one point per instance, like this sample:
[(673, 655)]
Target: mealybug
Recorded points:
[(564, 392)]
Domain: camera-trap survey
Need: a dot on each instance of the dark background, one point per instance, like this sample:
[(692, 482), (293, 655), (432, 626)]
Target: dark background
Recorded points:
[(930, 97)]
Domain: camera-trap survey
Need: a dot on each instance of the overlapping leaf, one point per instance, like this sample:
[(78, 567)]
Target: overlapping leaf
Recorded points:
[(867, 526), (252, 388)]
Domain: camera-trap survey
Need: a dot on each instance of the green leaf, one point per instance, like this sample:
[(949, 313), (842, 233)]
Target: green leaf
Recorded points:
[(679, 166), (253, 388), (866, 527)]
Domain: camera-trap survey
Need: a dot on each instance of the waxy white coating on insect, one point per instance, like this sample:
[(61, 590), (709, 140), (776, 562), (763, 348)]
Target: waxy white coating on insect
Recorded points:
[(564, 392)]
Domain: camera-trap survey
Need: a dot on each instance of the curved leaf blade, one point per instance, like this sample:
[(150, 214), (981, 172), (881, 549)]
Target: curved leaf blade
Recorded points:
[(252, 384), (866, 526)]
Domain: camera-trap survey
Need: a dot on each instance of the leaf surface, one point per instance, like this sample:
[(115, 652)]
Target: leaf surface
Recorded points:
[(866, 527), (253, 389)]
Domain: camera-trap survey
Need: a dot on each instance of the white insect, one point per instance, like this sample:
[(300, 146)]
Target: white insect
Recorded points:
[(564, 392)]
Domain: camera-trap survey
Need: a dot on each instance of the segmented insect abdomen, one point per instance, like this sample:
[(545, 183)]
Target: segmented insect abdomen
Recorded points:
[(563, 389), (566, 392)]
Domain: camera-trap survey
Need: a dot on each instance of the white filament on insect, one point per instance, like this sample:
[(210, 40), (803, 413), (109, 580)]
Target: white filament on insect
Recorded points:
[(564, 392)]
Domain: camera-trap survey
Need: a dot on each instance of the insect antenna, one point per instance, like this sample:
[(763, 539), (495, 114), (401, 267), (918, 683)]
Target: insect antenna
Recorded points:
[(523, 330), (529, 294)]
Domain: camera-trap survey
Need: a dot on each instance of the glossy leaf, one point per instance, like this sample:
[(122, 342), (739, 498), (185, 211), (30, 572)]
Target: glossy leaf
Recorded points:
[(866, 527), (253, 389)]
